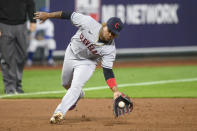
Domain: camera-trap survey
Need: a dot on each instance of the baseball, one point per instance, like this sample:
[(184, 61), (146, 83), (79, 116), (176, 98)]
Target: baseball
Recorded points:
[(121, 104)]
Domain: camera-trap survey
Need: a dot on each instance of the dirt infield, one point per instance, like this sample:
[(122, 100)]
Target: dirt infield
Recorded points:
[(96, 115)]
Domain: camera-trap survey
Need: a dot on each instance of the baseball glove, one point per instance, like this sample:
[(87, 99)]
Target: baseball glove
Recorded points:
[(122, 105)]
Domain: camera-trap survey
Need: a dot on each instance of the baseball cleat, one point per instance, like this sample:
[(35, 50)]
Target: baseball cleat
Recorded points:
[(56, 118), (81, 96)]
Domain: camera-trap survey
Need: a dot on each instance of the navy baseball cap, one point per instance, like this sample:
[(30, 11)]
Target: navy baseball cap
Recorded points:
[(115, 25)]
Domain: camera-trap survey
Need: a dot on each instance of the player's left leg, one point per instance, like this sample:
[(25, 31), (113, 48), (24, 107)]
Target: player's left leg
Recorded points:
[(81, 75), (51, 45)]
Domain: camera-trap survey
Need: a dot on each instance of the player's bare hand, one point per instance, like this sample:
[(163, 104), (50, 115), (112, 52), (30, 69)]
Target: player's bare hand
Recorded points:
[(117, 94), (42, 16)]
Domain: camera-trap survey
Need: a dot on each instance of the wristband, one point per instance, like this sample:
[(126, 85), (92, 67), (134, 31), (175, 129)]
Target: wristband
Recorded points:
[(66, 15), (111, 82)]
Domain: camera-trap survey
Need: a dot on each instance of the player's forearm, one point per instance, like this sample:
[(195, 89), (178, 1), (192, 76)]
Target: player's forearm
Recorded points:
[(42, 16), (55, 14), (60, 15), (110, 79)]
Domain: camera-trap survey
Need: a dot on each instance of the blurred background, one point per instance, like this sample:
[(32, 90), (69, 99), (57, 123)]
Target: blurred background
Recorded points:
[(152, 29)]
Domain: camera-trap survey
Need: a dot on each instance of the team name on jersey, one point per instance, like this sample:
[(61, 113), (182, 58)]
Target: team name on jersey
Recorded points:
[(89, 45)]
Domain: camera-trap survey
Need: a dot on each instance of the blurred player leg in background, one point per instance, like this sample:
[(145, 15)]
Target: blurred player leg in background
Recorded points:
[(42, 37), (48, 44)]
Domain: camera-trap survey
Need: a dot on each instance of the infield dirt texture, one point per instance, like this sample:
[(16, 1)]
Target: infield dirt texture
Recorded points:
[(150, 114)]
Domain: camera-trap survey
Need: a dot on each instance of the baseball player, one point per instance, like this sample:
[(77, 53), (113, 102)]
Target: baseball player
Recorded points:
[(42, 37), (92, 42)]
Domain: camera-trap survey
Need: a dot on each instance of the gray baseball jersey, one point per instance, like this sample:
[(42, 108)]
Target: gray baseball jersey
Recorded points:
[(81, 57), (84, 44)]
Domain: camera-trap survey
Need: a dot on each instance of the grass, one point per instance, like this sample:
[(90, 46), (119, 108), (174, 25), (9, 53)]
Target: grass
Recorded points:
[(50, 80)]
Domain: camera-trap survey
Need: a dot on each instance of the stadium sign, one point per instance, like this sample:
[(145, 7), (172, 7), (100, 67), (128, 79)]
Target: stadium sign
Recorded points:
[(142, 13)]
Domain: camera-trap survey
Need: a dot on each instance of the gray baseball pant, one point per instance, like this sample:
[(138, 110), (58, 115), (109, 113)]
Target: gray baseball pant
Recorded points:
[(13, 50)]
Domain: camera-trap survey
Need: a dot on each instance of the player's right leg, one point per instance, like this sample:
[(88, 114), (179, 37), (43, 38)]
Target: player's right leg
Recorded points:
[(81, 75), (56, 118), (67, 75), (34, 44)]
